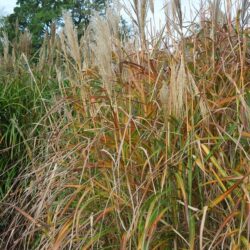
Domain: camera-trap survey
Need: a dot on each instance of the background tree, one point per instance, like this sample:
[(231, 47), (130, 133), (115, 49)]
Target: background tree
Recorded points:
[(38, 15), (82, 10)]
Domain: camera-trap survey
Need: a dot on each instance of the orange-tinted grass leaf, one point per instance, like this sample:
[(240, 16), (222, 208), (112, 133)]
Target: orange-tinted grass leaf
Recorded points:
[(224, 101), (103, 213), (154, 223), (245, 134), (225, 194), (62, 234)]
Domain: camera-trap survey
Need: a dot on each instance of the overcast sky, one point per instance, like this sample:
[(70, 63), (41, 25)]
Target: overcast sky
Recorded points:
[(7, 6)]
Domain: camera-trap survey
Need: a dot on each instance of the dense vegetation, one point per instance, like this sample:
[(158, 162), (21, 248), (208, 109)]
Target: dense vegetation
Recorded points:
[(117, 142)]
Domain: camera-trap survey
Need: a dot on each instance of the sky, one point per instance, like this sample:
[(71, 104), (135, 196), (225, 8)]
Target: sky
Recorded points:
[(7, 6)]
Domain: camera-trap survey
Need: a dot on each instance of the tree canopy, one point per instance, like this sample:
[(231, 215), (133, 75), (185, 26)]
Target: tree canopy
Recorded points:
[(37, 15)]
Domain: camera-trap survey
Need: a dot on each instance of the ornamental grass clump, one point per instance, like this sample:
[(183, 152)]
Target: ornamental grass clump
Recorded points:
[(135, 142)]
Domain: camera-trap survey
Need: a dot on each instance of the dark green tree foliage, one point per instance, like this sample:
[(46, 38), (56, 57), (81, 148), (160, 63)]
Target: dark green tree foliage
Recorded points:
[(82, 10), (37, 15)]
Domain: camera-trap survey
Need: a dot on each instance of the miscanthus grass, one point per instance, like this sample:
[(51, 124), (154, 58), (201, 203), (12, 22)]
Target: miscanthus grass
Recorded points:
[(138, 142)]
